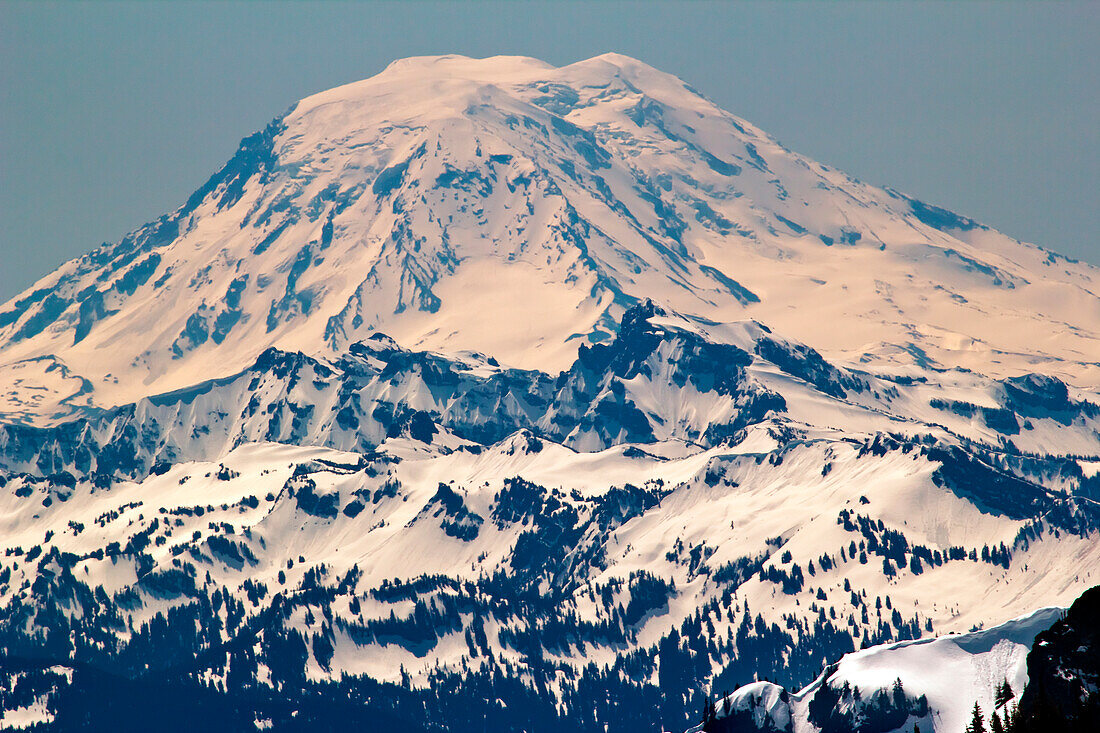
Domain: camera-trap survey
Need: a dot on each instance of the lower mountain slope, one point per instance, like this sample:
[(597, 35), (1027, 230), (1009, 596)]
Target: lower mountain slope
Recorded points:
[(409, 540)]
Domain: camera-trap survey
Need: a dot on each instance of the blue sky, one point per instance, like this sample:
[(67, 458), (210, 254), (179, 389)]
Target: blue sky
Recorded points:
[(114, 112)]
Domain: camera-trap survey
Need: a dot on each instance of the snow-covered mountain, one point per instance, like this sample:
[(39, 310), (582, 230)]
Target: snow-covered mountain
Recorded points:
[(484, 394), (420, 201)]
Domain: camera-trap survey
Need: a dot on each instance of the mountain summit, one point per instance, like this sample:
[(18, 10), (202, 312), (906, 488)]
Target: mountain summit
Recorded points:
[(506, 206)]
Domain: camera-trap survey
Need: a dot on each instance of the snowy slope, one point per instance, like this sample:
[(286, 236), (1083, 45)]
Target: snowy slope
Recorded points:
[(774, 546), (693, 514), (661, 378), (421, 201), (940, 680)]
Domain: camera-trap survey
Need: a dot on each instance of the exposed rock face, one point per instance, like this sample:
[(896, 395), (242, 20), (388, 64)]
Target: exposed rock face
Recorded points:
[(1063, 689)]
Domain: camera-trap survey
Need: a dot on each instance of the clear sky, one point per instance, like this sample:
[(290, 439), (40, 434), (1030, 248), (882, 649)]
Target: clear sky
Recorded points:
[(112, 113)]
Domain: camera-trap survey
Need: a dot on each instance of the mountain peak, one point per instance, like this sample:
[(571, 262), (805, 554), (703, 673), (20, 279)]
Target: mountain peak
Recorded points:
[(601, 68), (490, 67), (503, 68), (431, 82)]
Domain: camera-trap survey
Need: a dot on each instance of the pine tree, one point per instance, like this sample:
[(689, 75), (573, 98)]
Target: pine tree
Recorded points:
[(708, 714), (995, 725), (977, 723), (1003, 694), (1012, 717)]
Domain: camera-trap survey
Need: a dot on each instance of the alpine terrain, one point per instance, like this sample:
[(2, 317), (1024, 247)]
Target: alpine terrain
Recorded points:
[(489, 395)]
